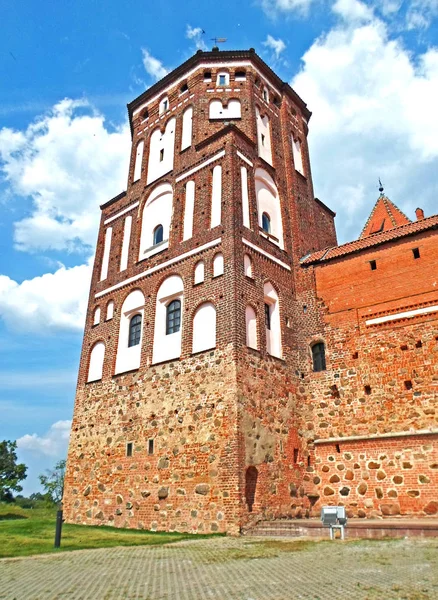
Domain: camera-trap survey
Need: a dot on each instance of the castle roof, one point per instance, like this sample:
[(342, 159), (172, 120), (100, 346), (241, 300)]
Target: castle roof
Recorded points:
[(384, 216), (371, 241), (217, 55)]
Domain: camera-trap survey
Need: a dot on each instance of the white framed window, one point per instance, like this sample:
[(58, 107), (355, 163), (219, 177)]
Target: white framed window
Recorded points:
[(223, 79), (265, 94), (240, 76), (130, 332), (168, 320)]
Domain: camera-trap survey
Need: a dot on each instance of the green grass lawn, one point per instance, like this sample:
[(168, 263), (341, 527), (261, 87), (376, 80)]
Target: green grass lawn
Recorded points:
[(32, 531)]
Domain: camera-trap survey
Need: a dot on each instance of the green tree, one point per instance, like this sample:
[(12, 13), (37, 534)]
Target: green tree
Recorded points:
[(11, 473), (53, 482)]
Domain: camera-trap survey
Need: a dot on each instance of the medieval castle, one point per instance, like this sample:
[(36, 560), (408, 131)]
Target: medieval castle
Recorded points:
[(237, 363)]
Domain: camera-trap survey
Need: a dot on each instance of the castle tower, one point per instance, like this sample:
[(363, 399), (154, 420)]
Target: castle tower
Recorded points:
[(185, 415)]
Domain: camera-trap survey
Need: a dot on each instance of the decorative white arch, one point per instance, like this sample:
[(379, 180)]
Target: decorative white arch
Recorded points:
[(161, 151), (204, 327), (187, 124), (268, 201), (231, 111), (199, 272), (95, 367), (264, 136), (167, 346), (157, 211)]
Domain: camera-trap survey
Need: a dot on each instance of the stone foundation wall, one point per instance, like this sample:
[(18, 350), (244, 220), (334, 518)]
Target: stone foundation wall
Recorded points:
[(379, 477), (273, 453), (190, 482)]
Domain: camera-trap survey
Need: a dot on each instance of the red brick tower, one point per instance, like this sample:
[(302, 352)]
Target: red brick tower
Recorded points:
[(185, 415)]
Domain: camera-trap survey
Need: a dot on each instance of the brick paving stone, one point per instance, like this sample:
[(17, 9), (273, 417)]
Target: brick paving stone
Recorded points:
[(230, 569)]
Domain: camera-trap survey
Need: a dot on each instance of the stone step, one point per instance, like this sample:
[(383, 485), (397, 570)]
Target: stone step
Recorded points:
[(356, 528)]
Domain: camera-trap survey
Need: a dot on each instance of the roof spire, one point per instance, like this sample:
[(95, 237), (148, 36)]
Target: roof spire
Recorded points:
[(381, 188)]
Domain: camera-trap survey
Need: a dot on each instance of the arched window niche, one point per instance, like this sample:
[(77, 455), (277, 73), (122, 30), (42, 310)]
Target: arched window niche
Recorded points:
[(268, 208), (231, 111), (95, 366), (199, 272), (130, 333), (187, 125), (318, 356), (264, 136), (109, 310), (96, 316), (272, 321), (168, 320), (247, 266), (161, 151), (204, 328), (218, 264), (156, 220), (251, 327)]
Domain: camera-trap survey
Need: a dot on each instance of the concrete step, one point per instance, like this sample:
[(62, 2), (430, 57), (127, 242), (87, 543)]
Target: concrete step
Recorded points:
[(356, 528)]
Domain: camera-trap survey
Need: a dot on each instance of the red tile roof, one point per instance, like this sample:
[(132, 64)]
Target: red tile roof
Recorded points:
[(384, 216), (371, 241)]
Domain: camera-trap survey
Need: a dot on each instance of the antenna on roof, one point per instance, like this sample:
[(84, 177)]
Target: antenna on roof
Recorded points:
[(380, 187), (217, 40)]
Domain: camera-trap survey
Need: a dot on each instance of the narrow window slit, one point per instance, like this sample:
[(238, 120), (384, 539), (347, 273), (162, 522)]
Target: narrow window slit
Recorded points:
[(150, 446)]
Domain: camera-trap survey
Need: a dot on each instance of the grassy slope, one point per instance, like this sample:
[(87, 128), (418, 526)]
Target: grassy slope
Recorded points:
[(32, 531)]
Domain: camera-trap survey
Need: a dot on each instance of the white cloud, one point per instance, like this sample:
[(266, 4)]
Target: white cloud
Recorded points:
[(273, 8), (374, 114), (68, 163), (153, 66), (421, 13), (352, 10), (51, 302), (195, 34), (53, 443), (277, 46), (388, 7)]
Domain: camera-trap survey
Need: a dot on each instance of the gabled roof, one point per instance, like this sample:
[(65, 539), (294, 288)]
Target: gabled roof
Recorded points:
[(365, 243), (384, 216)]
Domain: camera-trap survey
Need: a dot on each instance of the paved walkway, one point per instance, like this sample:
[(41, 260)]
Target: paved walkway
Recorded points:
[(231, 569)]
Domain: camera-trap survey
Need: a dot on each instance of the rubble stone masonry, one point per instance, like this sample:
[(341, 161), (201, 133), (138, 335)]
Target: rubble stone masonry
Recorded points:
[(215, 440)]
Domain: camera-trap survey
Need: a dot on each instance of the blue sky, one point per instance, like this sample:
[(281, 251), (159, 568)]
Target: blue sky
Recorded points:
[(368, 71)]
